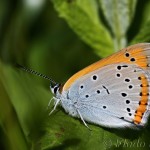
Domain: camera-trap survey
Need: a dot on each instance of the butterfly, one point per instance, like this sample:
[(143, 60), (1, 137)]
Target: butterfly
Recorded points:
[(113, 92)]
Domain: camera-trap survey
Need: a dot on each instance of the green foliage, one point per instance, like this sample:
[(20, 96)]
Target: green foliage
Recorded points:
[(119, 24), (82, 16), (59, 37)]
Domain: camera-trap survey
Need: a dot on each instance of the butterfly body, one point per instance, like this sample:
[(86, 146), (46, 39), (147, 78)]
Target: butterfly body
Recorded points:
[(113, 92)]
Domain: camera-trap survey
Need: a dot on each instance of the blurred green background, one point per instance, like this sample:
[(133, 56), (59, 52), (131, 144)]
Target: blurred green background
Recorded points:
[(58, 38)]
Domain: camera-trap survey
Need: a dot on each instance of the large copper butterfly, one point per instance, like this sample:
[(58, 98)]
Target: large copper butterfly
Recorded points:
[(113, 92)]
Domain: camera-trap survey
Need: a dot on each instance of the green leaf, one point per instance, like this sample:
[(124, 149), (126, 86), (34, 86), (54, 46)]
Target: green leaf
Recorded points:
[(3, 8), (23, 102), (82, 17), (67, 133), (145, 17), (143, 35), (119, 15), (8, 118), (30, 104)]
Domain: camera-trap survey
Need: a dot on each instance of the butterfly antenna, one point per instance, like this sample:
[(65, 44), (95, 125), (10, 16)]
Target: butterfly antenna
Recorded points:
[(35, 73)]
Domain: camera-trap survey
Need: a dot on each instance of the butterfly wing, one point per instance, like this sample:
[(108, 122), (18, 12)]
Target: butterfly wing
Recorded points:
[(138, 54), (114, 96)]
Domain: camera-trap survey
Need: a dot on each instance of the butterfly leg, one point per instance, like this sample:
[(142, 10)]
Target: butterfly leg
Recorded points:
[(50, 102), (83, 119), (56, 103)]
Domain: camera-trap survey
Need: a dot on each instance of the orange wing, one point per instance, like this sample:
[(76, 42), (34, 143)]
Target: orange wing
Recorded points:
[(138, 54)]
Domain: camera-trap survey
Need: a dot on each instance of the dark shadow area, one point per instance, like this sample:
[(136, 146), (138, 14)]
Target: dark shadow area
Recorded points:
[(69, 143), (137, 20)]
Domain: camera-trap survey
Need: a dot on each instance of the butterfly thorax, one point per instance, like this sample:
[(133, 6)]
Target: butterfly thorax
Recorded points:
[(70, 105), (62, 97)]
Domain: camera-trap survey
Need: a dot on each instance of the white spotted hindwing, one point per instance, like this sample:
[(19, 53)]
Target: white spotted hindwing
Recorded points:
[(116, 95)]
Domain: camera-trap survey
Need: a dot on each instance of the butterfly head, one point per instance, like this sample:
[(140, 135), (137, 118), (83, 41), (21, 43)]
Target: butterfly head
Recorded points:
[(70, 106), (55, 88)]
